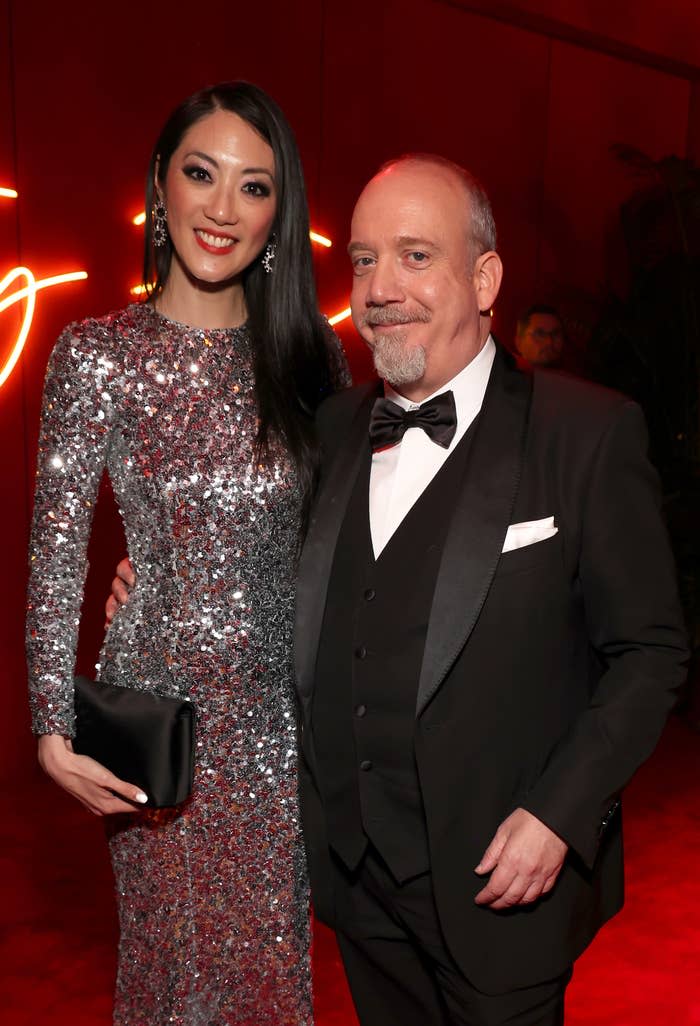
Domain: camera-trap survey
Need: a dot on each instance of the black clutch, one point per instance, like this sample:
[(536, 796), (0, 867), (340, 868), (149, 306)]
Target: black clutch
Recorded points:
[(145, 739)]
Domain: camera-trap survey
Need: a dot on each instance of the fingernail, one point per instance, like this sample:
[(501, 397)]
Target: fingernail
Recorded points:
[(141, 797), (478, 869)]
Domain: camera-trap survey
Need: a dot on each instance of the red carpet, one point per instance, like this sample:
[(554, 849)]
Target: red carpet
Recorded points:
[(58, 929)]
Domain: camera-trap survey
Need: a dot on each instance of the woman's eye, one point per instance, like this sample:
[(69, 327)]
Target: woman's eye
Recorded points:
[(257, 189), (197, 173)]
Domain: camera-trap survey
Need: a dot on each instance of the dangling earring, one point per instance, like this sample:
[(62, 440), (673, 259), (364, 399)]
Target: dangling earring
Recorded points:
[(268, 260), (159, 219)]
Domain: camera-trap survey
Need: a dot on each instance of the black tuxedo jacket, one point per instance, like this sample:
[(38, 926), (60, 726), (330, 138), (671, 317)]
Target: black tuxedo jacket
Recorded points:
[(548, 670)]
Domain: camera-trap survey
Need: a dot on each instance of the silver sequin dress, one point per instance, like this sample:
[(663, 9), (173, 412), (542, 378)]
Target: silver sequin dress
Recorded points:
[(213, 902)]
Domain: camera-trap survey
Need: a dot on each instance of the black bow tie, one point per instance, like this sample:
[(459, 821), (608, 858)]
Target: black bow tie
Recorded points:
[(437, 417)]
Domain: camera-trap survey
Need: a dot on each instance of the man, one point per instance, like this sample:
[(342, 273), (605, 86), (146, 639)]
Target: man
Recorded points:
[(539, 337), (488, 635)]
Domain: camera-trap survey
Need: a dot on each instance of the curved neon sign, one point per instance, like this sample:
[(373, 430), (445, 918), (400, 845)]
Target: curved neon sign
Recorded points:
[(18, 272), (28, 292)]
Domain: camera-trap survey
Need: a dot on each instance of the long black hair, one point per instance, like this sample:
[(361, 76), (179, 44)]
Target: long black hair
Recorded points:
[(293, 364)]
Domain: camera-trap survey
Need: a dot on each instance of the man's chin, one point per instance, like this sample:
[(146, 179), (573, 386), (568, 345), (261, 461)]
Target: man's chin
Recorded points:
[(397, 363)]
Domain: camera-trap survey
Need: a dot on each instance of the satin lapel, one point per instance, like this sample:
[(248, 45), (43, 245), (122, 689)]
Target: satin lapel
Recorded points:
[(479, 522), (317, 554)]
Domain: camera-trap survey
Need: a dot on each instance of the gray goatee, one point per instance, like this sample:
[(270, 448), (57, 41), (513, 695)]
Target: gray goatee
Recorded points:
[(394, 360), (397, 362)]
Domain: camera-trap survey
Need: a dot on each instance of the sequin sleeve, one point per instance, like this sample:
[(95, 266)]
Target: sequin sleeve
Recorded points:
[(76, 421)]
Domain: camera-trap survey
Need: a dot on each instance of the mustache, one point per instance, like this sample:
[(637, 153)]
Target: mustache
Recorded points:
[(395, 315)]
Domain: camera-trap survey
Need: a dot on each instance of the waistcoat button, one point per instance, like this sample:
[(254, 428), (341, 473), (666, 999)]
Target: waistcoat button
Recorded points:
[(369, 594), (361, 652), (360, 710), (366, 764)]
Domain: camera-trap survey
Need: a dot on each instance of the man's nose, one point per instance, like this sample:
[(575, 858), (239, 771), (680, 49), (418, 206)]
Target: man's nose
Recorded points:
[(383, 284)]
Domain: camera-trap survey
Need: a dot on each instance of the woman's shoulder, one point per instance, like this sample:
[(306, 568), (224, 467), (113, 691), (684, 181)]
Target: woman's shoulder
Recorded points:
[(117, 328), (107, 342)]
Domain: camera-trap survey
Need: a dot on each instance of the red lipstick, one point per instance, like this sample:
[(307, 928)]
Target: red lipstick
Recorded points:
[(218, 249)]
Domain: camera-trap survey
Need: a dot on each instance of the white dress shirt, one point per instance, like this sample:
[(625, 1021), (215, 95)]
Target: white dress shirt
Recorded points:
[(401, 473)]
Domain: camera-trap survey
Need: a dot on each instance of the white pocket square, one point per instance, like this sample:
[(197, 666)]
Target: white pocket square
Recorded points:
[(529, 532)]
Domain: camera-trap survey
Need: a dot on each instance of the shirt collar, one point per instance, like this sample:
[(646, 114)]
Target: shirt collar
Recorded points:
[(468, 386)]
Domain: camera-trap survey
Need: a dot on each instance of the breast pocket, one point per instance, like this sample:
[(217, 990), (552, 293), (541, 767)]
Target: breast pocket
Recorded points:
[(530, 558)]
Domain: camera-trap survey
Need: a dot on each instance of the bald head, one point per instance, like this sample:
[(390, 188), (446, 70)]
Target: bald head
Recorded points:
[(423, 285), (481, 226)]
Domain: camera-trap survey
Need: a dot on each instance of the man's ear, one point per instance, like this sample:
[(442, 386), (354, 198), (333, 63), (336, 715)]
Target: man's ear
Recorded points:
[(488, 275)]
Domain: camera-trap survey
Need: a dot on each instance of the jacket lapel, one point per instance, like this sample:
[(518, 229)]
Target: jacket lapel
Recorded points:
[(318, 552), (479, 522)]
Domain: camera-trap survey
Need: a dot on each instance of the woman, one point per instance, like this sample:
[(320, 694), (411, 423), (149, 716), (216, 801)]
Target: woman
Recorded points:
[(200, 405)]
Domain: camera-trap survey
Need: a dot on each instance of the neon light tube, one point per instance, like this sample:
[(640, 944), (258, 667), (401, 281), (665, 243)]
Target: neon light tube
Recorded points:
[(29, 293), (337, 318)]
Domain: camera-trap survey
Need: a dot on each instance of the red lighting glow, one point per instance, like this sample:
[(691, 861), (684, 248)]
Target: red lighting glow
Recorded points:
[(28, 292), (337, 318)]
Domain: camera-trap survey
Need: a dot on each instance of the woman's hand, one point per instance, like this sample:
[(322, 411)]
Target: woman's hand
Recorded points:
[(88, 781), (121, 586)]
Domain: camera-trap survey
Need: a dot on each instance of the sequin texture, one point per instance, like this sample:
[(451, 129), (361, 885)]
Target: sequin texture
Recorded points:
[(213, 901)]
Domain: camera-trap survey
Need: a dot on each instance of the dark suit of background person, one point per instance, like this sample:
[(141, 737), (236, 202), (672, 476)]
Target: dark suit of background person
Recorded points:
[(448, 683)]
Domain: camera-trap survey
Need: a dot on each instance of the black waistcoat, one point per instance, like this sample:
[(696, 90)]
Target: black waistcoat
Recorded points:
[(369, 661)]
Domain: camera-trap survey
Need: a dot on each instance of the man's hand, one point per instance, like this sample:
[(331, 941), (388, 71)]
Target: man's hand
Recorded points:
[(121, 586), (525, 856), (92, 784)]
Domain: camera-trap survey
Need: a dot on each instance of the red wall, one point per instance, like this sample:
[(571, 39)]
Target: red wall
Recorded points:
[(527, 96), (656, 26)]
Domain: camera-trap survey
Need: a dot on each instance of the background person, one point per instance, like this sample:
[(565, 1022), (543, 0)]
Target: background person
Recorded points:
[(539, 336), (541, 340)]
